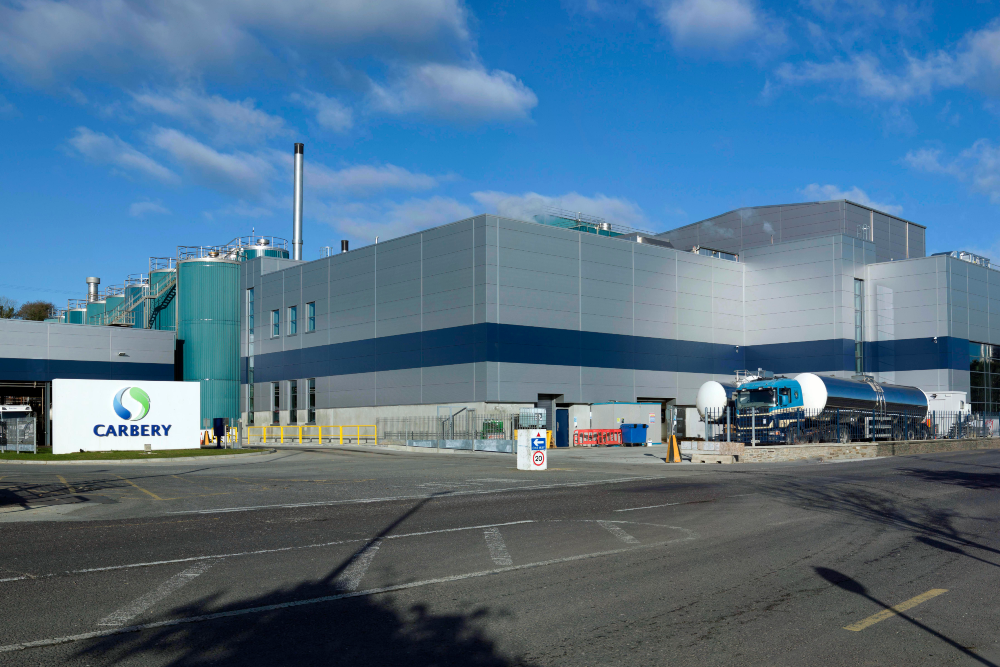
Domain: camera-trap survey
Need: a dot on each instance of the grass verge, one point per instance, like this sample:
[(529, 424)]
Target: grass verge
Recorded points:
[(45, 454)]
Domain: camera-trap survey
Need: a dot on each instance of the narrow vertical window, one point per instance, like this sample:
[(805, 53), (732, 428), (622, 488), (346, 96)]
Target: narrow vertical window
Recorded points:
[(250, 351), (293, 401), (311, 314), (293, 320), (275, 402), (311, 416), (859, 326), (275, 323)]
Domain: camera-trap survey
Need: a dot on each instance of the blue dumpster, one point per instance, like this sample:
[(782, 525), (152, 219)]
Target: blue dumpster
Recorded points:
[(634, 434)]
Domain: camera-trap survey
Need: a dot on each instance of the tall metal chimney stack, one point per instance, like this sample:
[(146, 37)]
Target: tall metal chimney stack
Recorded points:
[(92, 284), (297, 205), (343, 245)]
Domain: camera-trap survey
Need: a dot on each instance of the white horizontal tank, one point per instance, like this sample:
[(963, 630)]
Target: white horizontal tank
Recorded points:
[(712, 396)]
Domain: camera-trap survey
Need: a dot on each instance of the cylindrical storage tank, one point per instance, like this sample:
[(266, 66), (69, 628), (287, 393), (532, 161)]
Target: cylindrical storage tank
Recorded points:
[(76, 316), (263, 248), (820, 392), (133, 295), (94, 310), (208, 308), (162, 310), (111, 303), (713, 396)]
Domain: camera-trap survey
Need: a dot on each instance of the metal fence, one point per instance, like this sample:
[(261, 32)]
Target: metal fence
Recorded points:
[(467, 425), (794, 427), (18, 434), (312, 434)]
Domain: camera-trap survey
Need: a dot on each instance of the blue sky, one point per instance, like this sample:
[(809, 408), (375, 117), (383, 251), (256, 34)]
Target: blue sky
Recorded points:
[(131, 127)]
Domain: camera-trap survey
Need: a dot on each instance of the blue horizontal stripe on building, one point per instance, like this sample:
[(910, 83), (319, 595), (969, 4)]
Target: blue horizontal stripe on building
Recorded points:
[(44, 370), (510, 343)]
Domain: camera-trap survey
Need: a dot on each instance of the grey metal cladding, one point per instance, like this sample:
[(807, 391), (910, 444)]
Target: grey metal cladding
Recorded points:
[(917, 240), (541, 239), (551, 282)]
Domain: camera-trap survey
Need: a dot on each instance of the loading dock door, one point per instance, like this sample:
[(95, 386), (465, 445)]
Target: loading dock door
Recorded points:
[(562, 427)]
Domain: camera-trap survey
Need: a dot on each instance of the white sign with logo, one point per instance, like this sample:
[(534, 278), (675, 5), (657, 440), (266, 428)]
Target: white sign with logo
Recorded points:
[(104, 415), (531, 452)]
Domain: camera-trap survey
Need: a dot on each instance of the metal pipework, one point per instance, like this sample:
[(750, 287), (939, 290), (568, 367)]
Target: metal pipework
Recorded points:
[(297, 204), (92, 285), (343, 245)]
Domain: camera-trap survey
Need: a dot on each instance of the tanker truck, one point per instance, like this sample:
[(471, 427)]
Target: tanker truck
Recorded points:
[(812, 408)]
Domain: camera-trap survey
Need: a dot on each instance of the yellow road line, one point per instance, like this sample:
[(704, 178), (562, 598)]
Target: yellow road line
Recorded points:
[(892, 611), (68, 485), (150, 493)]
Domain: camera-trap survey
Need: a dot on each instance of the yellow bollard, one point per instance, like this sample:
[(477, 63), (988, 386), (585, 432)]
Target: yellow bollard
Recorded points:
[(673, 451)]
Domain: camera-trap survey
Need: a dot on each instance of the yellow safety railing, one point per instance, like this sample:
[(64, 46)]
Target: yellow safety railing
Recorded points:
[(308, 433)]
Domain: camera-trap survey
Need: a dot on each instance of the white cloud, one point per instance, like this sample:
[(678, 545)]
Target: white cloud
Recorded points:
[(979, 165), (240, 209), (236, 173), (365, 179), (43, 40), (141, 208), (975, 63), (330, 113), (523, 207), (229, 121), (817, 192), (103, 149), (453, 91), (710, 24), (364, 221)]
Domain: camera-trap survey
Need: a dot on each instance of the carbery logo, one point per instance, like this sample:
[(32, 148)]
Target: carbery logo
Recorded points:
[(131, 403)]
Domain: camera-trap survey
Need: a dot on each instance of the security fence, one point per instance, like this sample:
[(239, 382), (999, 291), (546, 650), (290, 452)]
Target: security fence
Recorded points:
[(17, 434), (467, 425), (794, 427), (312, 434)]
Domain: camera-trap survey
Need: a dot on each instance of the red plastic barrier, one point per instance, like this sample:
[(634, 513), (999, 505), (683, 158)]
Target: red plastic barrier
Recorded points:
[(596, 437)]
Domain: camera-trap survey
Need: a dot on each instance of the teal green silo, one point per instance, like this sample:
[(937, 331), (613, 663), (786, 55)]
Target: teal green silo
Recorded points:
[(94, 310), (209, 325), (111, 303), (133, 295), (162, 313), (76, 316)]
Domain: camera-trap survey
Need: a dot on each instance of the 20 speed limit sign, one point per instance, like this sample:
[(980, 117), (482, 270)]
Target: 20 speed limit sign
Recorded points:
[(538, 458)]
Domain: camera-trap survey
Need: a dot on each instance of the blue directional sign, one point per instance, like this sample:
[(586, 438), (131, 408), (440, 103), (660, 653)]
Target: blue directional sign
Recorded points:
[(537, 443)]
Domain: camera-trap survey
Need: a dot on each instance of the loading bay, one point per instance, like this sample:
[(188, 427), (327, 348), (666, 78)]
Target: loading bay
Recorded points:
[(359, 556)]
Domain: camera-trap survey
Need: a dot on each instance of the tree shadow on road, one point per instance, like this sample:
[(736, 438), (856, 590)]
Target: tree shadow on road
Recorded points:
[(969, 480), (302, 625)]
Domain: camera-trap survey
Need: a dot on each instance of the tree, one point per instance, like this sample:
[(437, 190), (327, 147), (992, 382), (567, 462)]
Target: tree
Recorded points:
[(8, 307), (36, 310)]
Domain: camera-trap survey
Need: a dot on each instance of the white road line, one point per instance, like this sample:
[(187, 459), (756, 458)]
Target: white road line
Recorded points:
[(330, 598), (497, 547), (254, 553), (351, 577), (647, 507), (617, 532), (361, 501), (130, 611)]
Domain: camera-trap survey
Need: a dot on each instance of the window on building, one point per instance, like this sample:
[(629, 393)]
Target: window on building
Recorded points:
[(275, 402), (250, 396), (859, 326), (250, 318), (984, 377), (293, 320), (275, 323), (311, 417), (293, 401), (311, 315)]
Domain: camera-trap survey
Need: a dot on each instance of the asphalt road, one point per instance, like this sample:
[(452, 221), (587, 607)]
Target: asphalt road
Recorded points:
[(352, 556)]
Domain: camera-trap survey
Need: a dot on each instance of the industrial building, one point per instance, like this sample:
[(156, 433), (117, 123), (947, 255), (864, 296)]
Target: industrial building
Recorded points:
[(562, 311)]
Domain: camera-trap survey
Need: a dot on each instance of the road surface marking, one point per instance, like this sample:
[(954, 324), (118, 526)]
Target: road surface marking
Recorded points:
[(67, 484), (252, 553), (497, 547), (130, 611), (647, 507), (476, 492), (139, 487), (351, 577), (330, 598), (617, 532), (892, 611)]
